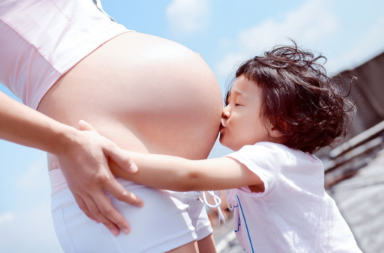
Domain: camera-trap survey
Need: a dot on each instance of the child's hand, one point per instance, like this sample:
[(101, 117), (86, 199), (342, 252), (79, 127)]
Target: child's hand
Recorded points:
[(123, 160)]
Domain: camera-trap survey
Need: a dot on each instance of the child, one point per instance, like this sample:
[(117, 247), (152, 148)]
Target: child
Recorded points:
[(281, 109)]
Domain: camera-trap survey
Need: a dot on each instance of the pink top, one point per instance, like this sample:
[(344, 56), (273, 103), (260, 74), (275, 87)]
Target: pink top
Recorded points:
[(40, 40)]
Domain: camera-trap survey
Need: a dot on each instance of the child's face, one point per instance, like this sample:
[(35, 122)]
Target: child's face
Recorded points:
[(241, 121)]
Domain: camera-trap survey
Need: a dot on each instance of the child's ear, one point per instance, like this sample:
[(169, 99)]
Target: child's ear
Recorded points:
[(274, 133)]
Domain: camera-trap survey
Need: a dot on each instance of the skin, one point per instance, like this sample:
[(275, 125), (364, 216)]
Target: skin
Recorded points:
[(242, 125), (73, 148), (146, 94)]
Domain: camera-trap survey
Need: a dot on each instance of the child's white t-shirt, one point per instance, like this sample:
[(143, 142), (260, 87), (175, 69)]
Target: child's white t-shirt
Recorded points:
[(294, 213)]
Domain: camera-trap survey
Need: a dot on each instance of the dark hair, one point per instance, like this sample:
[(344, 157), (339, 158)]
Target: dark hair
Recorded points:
[(299, 99)]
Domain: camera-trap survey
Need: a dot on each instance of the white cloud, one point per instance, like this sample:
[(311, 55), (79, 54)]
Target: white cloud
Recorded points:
[(33, 225), (28, 231), (35, 177), (188, 16), (6, 217), (308, 25), (370, 45), (230, 63), (224, 43)]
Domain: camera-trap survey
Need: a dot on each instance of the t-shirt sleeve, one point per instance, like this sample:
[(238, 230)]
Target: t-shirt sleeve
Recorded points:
[(262, 160)]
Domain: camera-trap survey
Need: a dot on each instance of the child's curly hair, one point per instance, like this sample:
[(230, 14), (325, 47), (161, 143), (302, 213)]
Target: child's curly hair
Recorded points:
[(299, 99)]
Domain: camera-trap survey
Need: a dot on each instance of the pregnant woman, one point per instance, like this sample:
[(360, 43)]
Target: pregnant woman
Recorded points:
[(70, 61)]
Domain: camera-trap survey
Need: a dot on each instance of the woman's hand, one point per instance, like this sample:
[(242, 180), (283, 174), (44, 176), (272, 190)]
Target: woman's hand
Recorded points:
[(83, 157), (84, 162)]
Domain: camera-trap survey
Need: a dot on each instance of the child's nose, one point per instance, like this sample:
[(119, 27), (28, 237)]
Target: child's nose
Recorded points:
[(225, 114), (224, 117)]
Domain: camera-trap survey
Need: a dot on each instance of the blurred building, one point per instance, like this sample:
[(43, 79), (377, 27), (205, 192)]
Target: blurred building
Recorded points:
[(354, 173), (368, 93)]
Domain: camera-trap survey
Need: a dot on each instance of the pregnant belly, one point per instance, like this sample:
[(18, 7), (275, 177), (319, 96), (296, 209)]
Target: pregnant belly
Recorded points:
[(145, 93)]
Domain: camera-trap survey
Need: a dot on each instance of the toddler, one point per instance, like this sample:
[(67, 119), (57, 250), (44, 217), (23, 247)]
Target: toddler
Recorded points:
[(281, 108)]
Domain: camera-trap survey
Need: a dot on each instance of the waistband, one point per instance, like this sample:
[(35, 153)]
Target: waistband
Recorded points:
[(58, 182)]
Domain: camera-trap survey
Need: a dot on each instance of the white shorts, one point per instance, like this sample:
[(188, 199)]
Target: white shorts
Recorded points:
[(167, 221)]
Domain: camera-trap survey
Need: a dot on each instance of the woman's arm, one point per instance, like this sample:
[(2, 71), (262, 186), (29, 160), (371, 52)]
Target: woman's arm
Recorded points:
[(82, 156), (179, 174)]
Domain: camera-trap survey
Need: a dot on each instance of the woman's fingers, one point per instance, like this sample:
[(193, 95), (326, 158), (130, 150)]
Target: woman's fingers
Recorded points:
[(103, 210), (121, 158), (112, 151), (120, 193), (99, 204), (94, 202), (89, 184), (80, 202)]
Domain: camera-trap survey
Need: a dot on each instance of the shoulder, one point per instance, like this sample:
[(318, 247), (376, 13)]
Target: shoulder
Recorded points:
[(262, 147), (275, 155), (264, 150), (262, 154), (264, 160)]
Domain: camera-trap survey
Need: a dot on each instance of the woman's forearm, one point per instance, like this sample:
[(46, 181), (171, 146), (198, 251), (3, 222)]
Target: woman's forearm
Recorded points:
[(82, 156), (23, 125)]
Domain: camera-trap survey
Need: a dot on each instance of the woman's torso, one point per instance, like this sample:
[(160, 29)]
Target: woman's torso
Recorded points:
[(145, 93)]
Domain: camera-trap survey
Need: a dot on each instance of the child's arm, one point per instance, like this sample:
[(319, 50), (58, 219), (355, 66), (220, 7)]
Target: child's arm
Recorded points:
[(179, 174)]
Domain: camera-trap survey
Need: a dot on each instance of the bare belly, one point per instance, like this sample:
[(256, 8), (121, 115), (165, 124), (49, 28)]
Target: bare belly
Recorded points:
[(145, 93)]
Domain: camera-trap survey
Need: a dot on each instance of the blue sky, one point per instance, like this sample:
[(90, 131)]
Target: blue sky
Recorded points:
[(347, 32)]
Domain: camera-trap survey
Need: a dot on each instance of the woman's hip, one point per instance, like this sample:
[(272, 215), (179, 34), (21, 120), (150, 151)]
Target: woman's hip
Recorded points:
[(166, 221)]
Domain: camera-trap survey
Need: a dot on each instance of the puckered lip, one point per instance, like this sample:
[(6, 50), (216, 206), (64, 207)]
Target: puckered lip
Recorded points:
[(221, 128), (222, 125)]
